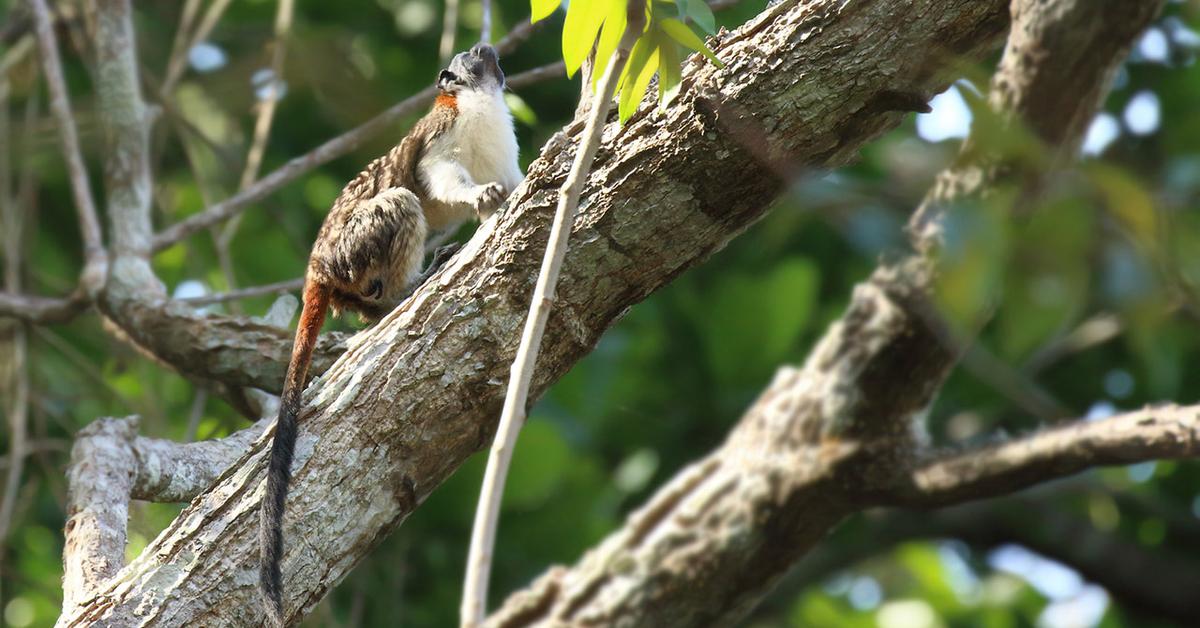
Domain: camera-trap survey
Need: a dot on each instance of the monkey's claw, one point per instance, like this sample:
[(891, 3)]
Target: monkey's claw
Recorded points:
[(488, 198), (444, 253), (440, 256)]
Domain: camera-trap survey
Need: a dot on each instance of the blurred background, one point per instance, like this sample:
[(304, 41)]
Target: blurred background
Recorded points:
[(1096, 295)]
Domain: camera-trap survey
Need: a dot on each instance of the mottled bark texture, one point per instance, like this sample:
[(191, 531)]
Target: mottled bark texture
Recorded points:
[(805, 85), (100, 480)]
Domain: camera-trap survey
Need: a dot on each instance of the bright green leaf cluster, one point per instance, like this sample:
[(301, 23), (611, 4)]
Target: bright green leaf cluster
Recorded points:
[(598, 24)]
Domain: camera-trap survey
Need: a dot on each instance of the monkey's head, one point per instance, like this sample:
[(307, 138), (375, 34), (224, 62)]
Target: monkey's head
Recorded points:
[(478, 69)]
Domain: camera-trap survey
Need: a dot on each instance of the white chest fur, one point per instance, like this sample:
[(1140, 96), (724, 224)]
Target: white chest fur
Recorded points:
[(482, 141)]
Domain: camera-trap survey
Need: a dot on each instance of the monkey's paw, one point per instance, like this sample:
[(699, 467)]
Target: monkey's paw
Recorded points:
[(488, 198)]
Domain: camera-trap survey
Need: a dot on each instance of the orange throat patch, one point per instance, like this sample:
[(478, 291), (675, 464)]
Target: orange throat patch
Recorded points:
[(446, 100)]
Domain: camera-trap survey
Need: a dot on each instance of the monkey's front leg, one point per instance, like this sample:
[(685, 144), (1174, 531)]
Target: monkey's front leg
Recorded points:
[(450, 184)]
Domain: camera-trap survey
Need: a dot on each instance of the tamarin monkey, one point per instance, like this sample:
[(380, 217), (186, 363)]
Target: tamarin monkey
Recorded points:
[(458, 161)]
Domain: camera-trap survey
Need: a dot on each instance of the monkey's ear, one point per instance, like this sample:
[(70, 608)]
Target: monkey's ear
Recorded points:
[(445, 79)]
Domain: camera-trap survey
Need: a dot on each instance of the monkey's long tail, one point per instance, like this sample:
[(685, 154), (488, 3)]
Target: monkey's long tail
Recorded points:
[(270, 535)]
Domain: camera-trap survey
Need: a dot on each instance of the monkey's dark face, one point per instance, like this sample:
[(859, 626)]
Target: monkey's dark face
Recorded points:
[(476, 69)]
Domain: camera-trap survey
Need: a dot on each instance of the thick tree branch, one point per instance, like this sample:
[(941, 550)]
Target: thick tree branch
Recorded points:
[(125, 121), (1166, 432), (167, 471), (111, 464), (99, 481), (416, 395)]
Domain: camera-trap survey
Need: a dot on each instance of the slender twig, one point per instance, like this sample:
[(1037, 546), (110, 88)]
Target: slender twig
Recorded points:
[(34, 447), (541, 73), (322, 154), (42, 310), (180, 44), (18, 387), (30, 308), (262, 131), (96, 259), (207, 24), (483, 533), (18, 413), (280, 287), (485, 21), (16, 54), (1016, 386), (266, 111), (449, 29), (1096, 330), (195, 413), (516, 36)]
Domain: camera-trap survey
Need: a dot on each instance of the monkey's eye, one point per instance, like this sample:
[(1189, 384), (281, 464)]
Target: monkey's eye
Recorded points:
[(446, 76)]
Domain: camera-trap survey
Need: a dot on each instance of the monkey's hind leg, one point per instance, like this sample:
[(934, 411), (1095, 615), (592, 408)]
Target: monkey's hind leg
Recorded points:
[(383, 242)]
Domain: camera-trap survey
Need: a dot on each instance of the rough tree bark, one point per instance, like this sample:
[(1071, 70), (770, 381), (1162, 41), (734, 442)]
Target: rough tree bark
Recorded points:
[(806, 84)]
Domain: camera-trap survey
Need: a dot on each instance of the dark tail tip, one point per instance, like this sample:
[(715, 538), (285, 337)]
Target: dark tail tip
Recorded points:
[(273, 602), (270, 578), (270, 532)]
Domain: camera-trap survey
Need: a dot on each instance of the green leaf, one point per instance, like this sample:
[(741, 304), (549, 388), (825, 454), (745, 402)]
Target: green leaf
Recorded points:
[(702, 15), (688, 38), (614, 27), (668, 69), (541, 9), (584, 18), (643, 62)]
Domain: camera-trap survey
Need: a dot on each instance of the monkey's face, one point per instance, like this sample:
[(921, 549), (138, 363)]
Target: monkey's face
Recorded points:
[(477, 69)]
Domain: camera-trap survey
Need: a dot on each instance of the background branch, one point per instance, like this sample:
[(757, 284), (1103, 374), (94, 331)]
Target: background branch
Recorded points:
[(42, 310), (14, 336), (449, 29), (262, 131), (1166, 432), (485, 21)]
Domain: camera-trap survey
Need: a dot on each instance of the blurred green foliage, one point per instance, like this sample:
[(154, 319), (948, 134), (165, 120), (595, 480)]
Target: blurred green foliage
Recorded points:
[(1116, 241)]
